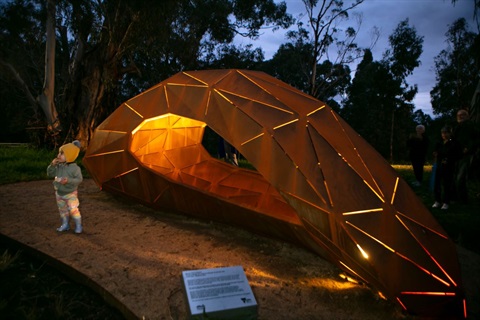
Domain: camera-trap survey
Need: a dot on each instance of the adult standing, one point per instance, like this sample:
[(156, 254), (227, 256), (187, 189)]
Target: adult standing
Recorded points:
[(446, 154), (467, 136), (418, 145)]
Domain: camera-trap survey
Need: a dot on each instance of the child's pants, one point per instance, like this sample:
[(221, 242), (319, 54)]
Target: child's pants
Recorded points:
[(68, 205)]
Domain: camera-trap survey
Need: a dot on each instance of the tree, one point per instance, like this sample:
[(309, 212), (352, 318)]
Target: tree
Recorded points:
[(457, 70), (99, 43), (332, 79), (370, 96), (379, 98), (304, 61)]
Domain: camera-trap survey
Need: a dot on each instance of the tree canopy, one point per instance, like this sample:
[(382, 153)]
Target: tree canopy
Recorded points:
[(66, 65), (110, 49)]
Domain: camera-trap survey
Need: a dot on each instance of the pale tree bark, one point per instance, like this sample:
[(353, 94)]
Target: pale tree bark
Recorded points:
[(475, 105), (322, 19), (46, 100)]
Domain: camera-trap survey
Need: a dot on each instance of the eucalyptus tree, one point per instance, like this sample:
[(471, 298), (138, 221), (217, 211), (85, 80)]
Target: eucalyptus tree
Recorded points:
[(457, 70), (105, 48), (475, 101), (315, 59), (379, 100), (403, 57), (290, 63)]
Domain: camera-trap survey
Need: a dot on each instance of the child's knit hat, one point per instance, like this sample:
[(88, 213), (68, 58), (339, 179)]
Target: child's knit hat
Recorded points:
[(71, 150)]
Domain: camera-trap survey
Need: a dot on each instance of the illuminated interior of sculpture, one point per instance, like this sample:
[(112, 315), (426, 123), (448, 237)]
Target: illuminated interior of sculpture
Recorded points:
[(317, 183)]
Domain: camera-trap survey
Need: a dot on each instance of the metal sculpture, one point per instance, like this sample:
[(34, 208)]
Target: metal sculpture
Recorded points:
[(318, 183)]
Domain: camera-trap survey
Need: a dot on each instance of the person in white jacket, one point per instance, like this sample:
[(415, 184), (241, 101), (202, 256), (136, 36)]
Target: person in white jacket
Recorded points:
[(68, 177)]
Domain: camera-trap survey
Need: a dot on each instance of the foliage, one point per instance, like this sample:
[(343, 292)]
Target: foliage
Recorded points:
[(291, 64), (379, 98), (457, 70), (109, 50), (304, 62)]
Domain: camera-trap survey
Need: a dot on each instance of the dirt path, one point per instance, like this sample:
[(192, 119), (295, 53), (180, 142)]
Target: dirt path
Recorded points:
[(134, 256)]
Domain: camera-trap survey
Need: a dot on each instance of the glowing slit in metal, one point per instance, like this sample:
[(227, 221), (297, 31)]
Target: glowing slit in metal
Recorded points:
[(134, 110), (328, 192), (224, 97), (250, 140), (106, 153), (394, 190), (368, 235), (426, 251), (423, 226), (362, 211), (258, 85), (126, 172), (258, 101), (307, 202), (188, 75), (208, 102), (423, 269), (166, 115), (349, 269), (318, 109), (112, 131), (400, 255), (285, 124), (364, 254), (375, 192), (401, 303), (317, 193), (429, 293)]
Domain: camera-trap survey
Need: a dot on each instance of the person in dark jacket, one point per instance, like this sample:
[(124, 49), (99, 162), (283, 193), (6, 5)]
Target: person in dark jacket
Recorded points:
[(467, 136), (446, 154), (418, 145)]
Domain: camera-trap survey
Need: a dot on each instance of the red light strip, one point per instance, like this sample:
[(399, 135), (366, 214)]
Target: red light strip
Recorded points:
[(423, 226), (401, 303), (399, 254), (425, 249)]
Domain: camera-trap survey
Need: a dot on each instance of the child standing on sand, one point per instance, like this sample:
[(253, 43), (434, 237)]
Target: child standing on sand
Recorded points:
[(67, 178)]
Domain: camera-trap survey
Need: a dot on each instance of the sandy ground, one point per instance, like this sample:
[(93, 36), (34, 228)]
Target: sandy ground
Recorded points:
[(134, 256)]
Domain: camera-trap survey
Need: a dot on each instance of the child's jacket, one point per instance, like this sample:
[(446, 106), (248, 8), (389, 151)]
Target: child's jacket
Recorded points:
[(71, 171)]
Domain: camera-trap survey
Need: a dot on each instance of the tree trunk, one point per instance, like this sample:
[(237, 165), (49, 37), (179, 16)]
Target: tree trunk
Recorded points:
[(391, 135), (475, 105), (46, 99)]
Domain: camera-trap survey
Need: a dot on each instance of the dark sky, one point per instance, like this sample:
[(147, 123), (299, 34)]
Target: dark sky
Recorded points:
[(431, 19)]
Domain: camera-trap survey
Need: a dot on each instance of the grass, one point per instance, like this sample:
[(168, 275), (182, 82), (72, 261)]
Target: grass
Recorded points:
[(24, 163), (33, 290)]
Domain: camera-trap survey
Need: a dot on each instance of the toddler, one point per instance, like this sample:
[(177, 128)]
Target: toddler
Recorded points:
[(67, 178)]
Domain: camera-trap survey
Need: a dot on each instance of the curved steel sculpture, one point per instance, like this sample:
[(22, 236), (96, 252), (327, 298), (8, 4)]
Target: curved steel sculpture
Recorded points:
[(318, 183)]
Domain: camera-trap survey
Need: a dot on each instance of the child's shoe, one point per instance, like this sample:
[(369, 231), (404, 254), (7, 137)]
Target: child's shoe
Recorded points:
[(65, 225), (436, 204), (78, 225)]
